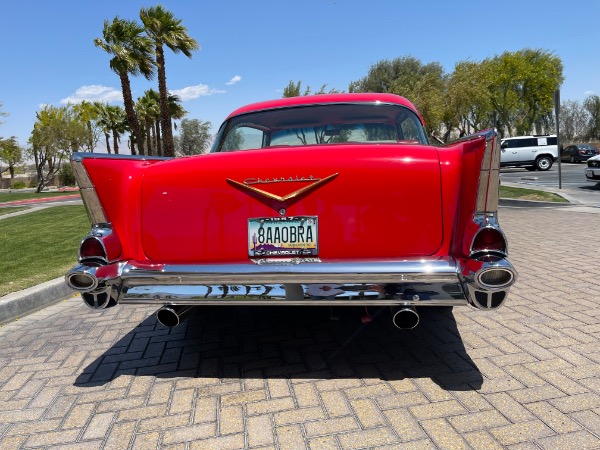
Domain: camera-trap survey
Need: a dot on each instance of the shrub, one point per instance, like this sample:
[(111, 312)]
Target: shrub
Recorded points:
[(18, 185), (66, 176)]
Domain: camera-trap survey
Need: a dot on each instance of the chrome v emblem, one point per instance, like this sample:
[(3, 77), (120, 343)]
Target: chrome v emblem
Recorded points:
[(285, 197)]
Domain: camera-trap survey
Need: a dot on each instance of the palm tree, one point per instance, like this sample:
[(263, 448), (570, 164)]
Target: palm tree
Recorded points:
[(149, 110), (112, 120), (132, 52), (176, 111), (164, 29)]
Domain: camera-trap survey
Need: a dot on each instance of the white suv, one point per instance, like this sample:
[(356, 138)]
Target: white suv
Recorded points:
[(531, 152)]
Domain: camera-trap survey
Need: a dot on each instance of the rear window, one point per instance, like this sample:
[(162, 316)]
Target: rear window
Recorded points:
[(321, 124)]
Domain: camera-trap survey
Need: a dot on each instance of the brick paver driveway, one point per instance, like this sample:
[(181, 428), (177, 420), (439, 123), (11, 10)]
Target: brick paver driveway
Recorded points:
[(527, 376)]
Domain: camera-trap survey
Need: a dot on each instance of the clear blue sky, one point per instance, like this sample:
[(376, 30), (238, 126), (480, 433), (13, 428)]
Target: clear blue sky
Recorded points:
[(251, 50)]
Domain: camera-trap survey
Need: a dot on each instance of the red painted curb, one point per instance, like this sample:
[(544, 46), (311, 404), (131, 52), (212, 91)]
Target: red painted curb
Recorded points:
[(40, 200)]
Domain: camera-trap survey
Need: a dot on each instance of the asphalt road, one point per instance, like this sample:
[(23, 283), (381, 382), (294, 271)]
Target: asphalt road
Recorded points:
[(572, 177)]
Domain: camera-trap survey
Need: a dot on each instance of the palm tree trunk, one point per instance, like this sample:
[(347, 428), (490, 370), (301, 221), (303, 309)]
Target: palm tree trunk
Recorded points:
[(159, 141), (148, 136), (107, 137), (116, 142), (165, 118), (130, 112)]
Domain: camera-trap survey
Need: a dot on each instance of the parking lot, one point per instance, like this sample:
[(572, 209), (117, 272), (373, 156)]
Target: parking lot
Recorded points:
[(525, 376), (572, 177)]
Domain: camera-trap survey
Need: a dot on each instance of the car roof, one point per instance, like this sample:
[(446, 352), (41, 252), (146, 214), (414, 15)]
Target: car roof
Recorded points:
[(369, 97)]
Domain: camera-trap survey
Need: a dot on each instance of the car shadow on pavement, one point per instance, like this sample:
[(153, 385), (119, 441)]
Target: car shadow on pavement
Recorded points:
[(590, 187), (292, 343)]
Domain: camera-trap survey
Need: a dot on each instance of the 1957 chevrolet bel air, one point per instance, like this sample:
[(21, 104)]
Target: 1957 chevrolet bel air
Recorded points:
[(320, 200)]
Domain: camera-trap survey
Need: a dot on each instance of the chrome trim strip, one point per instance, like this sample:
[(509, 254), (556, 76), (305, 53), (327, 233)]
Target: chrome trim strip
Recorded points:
[(93, 206), (87, 190), (489, 178), (80, 156), (284, 302), (423, 271), (83, 180)]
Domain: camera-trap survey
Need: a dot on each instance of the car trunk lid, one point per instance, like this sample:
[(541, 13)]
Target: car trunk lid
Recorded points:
[(366, 201)]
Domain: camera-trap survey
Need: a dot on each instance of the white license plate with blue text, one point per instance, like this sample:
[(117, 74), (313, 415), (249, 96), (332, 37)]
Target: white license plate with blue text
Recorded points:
[(283, 236)]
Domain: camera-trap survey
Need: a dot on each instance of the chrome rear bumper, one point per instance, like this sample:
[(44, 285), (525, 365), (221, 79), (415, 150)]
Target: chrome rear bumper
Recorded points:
[(435, 282)]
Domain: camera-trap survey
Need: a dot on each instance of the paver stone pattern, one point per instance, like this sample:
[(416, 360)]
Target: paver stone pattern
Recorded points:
[(525, 376)]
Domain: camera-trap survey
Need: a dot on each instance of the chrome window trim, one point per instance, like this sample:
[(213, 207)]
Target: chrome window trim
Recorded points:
[(217, 145), (80, 156)]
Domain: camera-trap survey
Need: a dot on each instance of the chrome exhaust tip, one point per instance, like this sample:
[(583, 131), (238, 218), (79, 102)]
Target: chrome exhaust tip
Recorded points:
[(172, 315), (495, 278), (405, 317), (82, 278)]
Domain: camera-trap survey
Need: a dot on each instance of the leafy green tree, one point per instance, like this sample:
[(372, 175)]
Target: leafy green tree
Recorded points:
[(295, 90), (574, 121), (57, 133), (10, 153), (422, 84), (468, 105), (132, 55), (163, 28), (521, 86), (2, 113), (592, 106), (194, 137)]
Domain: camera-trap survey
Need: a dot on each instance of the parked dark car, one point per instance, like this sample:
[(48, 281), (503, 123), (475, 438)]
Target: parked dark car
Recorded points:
[(578, 152)]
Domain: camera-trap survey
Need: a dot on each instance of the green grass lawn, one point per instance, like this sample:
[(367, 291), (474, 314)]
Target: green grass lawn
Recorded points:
[(530, 194), (11, 196), (11, 209), (40, 246)]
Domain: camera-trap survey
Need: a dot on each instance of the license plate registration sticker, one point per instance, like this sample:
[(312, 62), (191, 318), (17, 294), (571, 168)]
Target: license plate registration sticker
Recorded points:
[(283, 236)]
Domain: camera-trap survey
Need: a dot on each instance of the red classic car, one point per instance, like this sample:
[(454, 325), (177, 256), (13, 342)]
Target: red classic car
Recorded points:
[(319, 200)]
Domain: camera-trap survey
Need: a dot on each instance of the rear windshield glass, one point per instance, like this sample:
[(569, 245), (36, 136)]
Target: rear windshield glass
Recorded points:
[(321, 124)]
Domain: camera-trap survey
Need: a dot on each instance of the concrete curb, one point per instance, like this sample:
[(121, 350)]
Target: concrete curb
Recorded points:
[(533, 203), (30, 300)]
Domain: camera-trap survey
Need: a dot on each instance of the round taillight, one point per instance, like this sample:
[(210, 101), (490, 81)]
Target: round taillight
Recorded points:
[(92, 248), (489, 240)]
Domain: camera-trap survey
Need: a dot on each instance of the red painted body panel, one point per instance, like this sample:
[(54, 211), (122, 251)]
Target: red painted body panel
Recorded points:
[(388, 201), (375, 208)]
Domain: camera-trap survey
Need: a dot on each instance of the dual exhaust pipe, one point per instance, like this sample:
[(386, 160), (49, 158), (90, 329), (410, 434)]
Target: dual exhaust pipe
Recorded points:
[(403, 317)]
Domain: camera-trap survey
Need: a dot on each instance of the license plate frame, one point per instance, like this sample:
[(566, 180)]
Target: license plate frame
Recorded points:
[(283, 236)]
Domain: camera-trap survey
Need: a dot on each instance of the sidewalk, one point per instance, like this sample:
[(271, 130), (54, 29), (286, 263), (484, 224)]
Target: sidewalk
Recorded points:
[(29, 300)]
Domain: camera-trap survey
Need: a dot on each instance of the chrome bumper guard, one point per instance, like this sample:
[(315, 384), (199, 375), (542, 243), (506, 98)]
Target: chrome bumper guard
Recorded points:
[(436, 282)]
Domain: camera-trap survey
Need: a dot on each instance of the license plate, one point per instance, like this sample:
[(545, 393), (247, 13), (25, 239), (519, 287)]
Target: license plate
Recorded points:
[(283, 236)]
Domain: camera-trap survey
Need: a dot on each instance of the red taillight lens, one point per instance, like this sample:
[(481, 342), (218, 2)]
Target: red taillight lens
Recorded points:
[(489, 239), (91, 248)]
